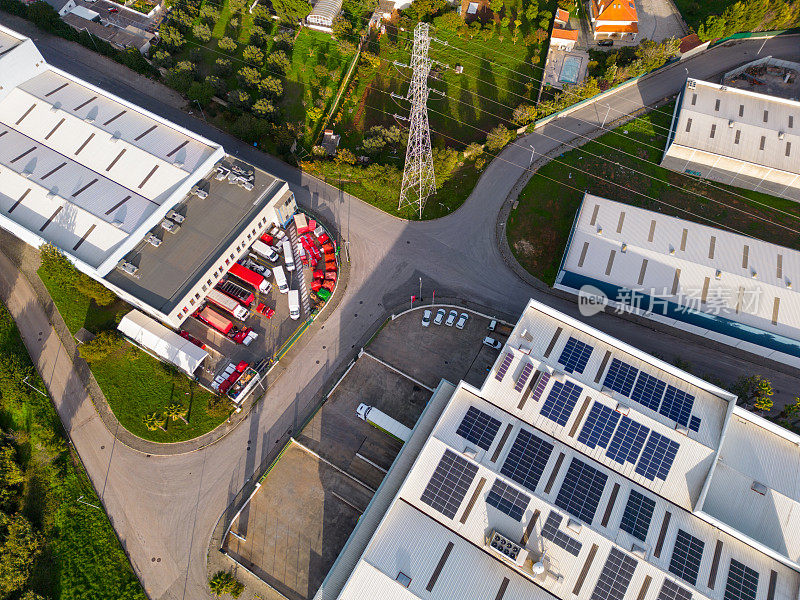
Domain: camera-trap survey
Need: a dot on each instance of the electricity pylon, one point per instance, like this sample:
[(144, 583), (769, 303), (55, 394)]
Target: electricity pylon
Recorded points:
[(419, 180)]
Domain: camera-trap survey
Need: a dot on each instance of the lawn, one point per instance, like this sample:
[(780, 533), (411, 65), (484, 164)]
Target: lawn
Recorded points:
[(133, 382), (619, 166), (81, 557)]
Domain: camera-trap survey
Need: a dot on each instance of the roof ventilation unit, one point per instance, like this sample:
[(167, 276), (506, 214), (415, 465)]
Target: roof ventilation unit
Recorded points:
[(622, 408), (759, 488), (599, 230), (781, 135), (470, 452), (129, 268), (681, 429), (731, 123), (624, 247), (53, 193), (754, 274), (526, 335), (718, 274), (671, 249), (117, 136), (510, 551), (639, 551), (789, 283), (56, 107)]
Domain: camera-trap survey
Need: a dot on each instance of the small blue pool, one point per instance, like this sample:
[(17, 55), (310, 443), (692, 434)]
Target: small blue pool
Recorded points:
[(570, 69)]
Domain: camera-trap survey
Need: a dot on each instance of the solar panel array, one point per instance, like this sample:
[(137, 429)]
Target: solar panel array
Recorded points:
[(559, 538), (620, 377), (540, 385), (615, 578), (508, 500), (742, 582), (527, 459), (694, 423), (449, 484), (523, 377), (478, 427), (501, 370), (575, 355), (686, 557), (599, 426), (627, 441), (648, 391), (561, 401), (677, 405), (657, 457), (672, 591), (638, 514), (581, 490)]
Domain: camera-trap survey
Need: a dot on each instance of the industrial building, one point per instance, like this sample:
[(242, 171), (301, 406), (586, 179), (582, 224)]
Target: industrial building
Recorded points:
[(581, 468), (322, 15), (153, 211), (735, 135), (724, 286)]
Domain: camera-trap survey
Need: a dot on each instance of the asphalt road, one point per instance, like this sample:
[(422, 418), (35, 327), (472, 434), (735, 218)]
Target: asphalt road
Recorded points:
[(166, 507)]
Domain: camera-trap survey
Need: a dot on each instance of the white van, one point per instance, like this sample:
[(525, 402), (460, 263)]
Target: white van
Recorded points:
[(287, 255), (294, 304), (265, 251), (280, 279)]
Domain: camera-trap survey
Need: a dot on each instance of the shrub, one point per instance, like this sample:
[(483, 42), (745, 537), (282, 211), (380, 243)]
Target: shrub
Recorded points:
[(101, 346), (202, 32), (227, 44), (239, 99), (223, 67), (498, 137)]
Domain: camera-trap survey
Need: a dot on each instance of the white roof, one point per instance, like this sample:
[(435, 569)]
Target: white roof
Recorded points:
[(84, 13), (676, 260), (445, 551), (718, 132), (83, 169), (161, 341)]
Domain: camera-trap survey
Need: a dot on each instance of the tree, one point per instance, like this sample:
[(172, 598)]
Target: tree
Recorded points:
[(531, 12), (524, 114), (344, 156), (566, 4), (278, 61), (253, 55), (218, 84), (18, 551), (227, 44), (209, 13), (154, 421), (284, 40), (176, 411), (10, 475), (450, 21), (653, 55), (264, 108), (271, 86), (223, 67), (239, 98), (249, 76), (291, 11), (496, 6), (172, 37), (201, 91), (422, 9), (258, 36), (202, 32), (162, 58), (101, 346), (755, 390), (342, 27), (498, 137)]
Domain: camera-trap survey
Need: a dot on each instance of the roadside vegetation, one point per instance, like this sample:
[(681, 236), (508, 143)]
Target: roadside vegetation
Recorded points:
[(721, 18), (623, 165), (55, 541), (151, 399)]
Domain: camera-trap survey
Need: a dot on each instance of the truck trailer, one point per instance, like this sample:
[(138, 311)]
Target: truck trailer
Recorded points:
[(251, 277), (236, 292), (215, 320), (384, 422), (228, 304), (294, 304)]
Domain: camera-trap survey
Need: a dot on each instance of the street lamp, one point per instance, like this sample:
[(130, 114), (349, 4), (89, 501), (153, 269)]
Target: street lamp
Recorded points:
[(532, 153)]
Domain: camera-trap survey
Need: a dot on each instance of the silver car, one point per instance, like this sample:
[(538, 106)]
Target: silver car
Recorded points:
[(451, 318), (426, 318), (462, 320), (439, 316)]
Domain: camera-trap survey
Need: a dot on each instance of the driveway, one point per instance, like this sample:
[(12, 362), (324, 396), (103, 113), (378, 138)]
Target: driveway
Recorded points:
[(167, 507), (659, 20)]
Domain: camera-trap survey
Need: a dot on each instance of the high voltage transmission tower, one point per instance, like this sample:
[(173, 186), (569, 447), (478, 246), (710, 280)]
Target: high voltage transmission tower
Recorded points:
[(419, 180)]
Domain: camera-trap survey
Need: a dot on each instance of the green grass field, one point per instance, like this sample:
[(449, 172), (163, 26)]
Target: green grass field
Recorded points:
[(133, 382), (619, 166), (82, 558)]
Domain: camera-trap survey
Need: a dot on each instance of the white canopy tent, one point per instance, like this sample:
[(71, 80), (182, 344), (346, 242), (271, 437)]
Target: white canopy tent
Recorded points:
[(161, 341)]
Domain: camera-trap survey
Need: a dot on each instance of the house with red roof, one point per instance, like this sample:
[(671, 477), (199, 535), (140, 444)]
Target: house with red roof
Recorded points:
[(614, 19), (564, 39)]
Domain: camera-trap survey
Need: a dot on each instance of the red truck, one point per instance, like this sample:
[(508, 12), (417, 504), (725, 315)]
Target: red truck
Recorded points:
[(251, 277), (236, 292), (218, 322)]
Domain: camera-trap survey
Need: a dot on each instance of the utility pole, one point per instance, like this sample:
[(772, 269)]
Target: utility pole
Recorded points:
[(419, 180)]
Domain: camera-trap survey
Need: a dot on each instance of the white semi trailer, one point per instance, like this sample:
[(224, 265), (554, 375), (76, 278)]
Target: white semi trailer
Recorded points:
[(384, 422)]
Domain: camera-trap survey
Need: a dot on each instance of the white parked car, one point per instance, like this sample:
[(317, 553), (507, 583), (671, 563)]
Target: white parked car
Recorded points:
[(439, 316), (451, 318), (462, 320), (492, 343), (426, 318)]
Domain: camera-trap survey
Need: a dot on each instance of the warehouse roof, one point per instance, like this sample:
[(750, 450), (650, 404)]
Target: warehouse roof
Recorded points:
[(522, 472), (83, 169), (712, 272)]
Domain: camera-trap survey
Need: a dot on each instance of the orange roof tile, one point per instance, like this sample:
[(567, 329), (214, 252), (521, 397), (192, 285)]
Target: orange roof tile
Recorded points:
[(564, 34), (562, 15), (632, 28), (615, 10)]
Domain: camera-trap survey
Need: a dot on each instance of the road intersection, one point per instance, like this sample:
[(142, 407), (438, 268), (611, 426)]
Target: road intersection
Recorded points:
[(165, 508)]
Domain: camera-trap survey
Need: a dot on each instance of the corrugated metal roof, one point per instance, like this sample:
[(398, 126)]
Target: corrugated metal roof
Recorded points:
[(325, 11), (449, 557)]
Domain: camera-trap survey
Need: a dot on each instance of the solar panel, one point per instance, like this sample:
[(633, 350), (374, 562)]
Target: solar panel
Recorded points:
[(527, 459), (638, 514), (508, 500), (540, 385), (561, 401), (657, 457), (575, 355), (559, 538), (742, 582), (620, 377), (686, 557), (599, 426), (523, 377), (449, 484), (501, 370), (672, 591), (677, 405), (694, 423), (615, 578), (478, 427), (581, 490), (648, 391), (627, 441)]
